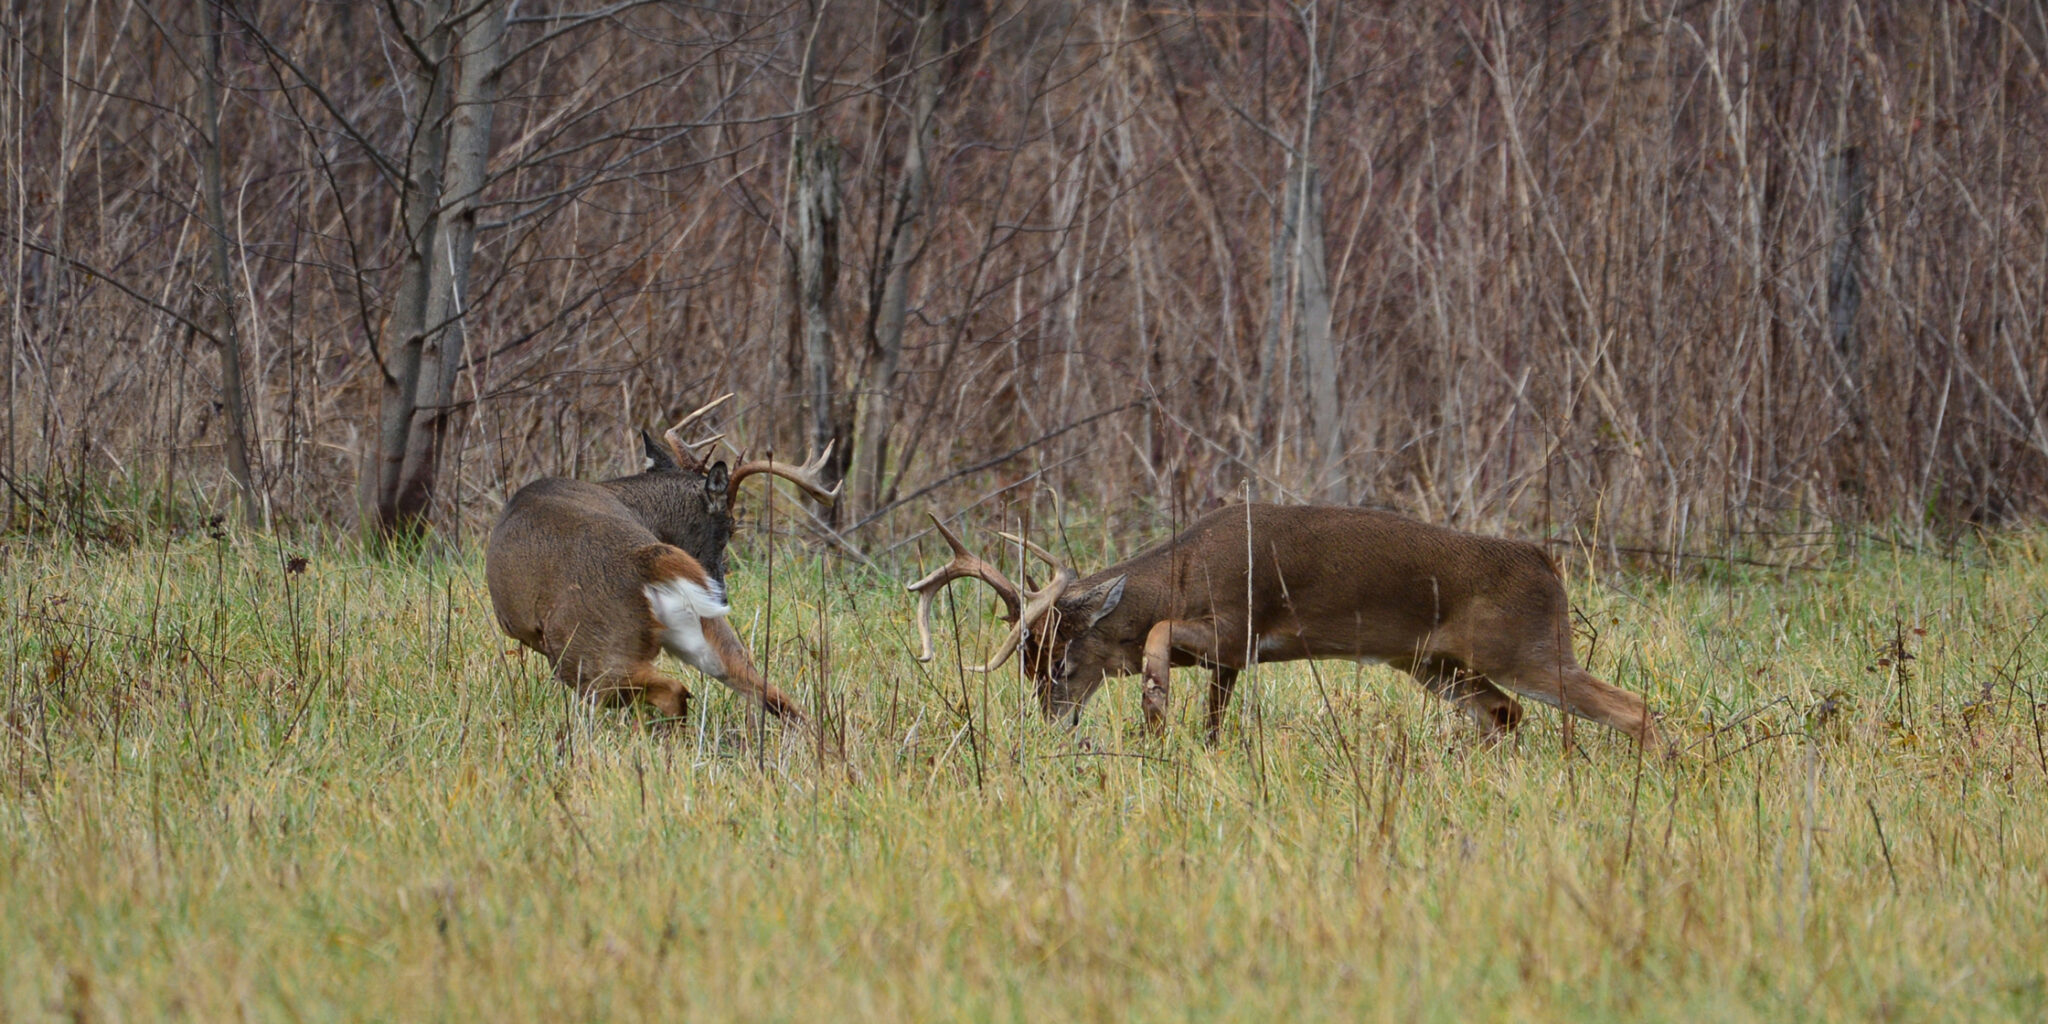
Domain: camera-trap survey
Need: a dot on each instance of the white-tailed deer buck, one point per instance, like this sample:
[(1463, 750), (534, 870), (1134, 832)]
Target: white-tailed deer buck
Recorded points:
[(1472, 618), (601, 577)]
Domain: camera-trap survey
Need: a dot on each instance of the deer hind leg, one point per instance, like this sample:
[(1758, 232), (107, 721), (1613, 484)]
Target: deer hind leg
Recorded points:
[(1579, 692), (1495, 712), (690, 623), (736, 669), (669, 696), (619, 684)]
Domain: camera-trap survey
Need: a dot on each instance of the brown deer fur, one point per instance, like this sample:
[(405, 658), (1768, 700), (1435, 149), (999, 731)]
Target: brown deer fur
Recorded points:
[(600, 577), (1473, 618)]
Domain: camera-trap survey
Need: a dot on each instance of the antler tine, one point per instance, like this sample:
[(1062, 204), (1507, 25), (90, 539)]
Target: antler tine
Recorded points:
[(1043, 555), (705, 444), (695, 416), (686, 452), (1036, 604), (806, 476), (965, 564)]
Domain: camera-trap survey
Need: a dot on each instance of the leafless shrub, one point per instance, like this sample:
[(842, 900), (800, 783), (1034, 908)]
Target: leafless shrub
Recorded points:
[(1621, 268)]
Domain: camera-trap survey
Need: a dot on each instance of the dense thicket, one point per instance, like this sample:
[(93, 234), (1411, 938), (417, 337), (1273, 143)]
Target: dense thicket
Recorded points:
[(1642, 269)]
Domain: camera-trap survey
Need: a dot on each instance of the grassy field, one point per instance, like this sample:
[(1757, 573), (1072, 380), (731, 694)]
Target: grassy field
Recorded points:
[(238, 785)]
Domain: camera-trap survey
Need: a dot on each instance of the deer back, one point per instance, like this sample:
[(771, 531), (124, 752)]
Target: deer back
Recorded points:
[(1345, 581)]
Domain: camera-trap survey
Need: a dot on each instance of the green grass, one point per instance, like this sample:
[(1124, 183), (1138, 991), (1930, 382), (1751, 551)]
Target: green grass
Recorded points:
[(230, 791)]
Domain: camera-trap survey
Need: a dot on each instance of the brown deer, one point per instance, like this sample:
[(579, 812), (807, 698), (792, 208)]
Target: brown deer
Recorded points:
[(602, 576), (1472, 618)]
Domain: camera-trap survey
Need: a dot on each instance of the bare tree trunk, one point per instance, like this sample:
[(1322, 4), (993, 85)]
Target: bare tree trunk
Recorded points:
[(1312, 332), (886, 319), (816, 168), (1845, 282), (468, 158), (221, 310), (444, 172), (1264, 403), (817, 278), (419, 194), (1299, 310), (15, 71), (1312, 280)]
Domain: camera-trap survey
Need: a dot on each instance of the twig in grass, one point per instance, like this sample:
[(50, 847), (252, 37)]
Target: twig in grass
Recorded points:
[(1134, 755), (569, 816), (2009, 671), (1635, 795), (1883, 843), (1396, 781), (1714, 736), (1676, 556), (1760, 739)]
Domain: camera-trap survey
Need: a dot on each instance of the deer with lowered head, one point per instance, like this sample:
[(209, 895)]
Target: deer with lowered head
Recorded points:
[(1476, 620), (601, 577)]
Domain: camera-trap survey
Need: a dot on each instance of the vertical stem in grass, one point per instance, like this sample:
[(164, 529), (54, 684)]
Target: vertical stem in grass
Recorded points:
[(220, 593), (1634, 797), (974, 741), (973, 736), (42, 701), (819, 686), (447, 621), (966, 705), (1883, 843), (1756, 793), (757, 716), (2009, 670), (1329, 708), (896, 693), (1252, 691), (1390, 797), (1902, 674), (1806, 834)]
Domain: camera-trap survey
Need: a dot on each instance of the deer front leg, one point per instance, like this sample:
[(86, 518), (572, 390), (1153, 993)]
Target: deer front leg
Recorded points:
[(1164, 638), (1158, 672)]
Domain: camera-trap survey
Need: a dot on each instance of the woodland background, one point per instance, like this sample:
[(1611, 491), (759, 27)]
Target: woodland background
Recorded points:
[(1646, 271)]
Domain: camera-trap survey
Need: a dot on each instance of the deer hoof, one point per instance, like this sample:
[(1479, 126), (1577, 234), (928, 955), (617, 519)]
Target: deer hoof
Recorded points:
[(1155, 708)]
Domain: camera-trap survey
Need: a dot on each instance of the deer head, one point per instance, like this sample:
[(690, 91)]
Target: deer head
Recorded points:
[(686, 497), (1047, 624)]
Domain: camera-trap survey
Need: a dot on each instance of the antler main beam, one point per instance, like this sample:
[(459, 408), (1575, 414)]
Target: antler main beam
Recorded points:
[(965, 564), (1026, 606), (809, 476)]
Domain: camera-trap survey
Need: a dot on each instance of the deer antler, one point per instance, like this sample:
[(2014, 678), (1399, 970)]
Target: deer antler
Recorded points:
[(806, 476), (1026, 606), (1037, 603), (686, 453)]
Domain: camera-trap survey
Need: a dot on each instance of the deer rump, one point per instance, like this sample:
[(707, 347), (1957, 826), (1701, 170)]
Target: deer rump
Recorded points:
[(574, 575)]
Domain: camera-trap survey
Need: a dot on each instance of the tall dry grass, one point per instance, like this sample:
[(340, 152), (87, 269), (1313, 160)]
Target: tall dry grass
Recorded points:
[(1630, 269), (250, 777)]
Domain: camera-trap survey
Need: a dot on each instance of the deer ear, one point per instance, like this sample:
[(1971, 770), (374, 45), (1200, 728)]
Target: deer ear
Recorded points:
[(658, 454), (1097, 601), (716, 478)]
